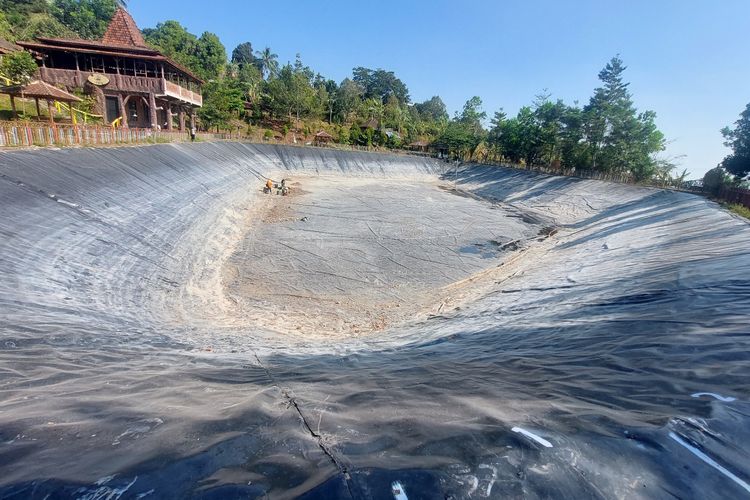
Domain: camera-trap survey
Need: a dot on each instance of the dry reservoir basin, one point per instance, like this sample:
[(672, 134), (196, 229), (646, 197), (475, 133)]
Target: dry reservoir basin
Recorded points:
[(396, 327)]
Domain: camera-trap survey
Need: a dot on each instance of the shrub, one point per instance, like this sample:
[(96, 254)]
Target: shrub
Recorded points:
[(740, 210), (19, 66), (344, 135), (716, 179)]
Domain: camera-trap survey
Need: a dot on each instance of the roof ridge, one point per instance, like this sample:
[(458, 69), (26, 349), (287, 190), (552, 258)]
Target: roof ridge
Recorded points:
[(122, 30)]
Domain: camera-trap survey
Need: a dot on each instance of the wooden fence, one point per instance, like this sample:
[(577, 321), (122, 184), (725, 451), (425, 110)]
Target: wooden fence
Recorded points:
[(735, 195), (15, 134)]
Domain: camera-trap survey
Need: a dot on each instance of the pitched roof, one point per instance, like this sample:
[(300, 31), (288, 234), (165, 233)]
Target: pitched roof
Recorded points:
[(122, 30), (89, 47), (122, 39), (77, 43), (39, 90), (323, 135)]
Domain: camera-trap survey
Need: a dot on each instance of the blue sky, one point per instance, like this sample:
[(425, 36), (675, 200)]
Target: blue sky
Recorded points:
[(687, 60)]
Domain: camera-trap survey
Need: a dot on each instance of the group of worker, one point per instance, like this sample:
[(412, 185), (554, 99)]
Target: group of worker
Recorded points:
[(281, 188)]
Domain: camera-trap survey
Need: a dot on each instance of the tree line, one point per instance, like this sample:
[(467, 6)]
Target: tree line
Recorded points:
[(734, 170), (373, 107)]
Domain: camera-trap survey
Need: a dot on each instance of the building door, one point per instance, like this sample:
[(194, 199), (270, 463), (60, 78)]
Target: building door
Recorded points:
[(113, 109), (133, 112)]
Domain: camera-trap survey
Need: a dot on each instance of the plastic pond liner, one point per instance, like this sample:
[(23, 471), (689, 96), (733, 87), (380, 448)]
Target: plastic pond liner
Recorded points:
[(393, 328)]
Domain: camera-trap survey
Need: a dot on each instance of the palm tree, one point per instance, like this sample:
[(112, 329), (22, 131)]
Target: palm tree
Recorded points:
[(268, 61)]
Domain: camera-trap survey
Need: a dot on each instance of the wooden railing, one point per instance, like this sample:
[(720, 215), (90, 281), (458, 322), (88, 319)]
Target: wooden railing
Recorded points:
[(126, 83), (174, 90)]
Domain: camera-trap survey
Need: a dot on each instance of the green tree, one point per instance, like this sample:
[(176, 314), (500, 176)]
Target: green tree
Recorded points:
[(243, 55), (529, 136), (174, 41), (464, 133), (572, 141), (223, 101), (87, 18), (291, 92), (549, 119), (210, 56), (6, 30), (42, 25), (432, 109), (495, 134), (18, 12), (205, 56), (472, 114), (380, 84), (251, 82), (716, 179), (738, 139), (331, 94), (620, 139), (267, 62), (348, 97), (19, 66)]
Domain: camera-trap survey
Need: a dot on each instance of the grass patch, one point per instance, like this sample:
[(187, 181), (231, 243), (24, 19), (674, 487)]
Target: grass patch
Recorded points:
[(739, 209)]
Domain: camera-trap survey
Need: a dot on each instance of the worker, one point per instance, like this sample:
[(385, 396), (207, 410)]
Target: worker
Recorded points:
[(284, 188), (269, 187)]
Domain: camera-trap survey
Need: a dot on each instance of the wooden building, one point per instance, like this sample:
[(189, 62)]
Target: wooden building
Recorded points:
[(322, 138), (134, 85)]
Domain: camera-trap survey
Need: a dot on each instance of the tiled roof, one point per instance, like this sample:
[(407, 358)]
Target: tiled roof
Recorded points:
[(93, 44), (40, 90), (122, 39), (122, 30)]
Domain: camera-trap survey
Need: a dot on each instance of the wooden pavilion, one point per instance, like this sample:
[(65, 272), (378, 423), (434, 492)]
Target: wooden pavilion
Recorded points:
[(323, 137), (133, 84), (371, 124), (419, 146), (38, 90)]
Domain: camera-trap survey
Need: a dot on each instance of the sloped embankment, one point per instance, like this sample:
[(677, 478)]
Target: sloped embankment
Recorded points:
[(486, 333)]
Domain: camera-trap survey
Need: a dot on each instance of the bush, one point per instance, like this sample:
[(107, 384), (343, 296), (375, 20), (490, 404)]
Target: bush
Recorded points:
[(716, 179), (268, 135), (19, 66), (344, 135), (740, 210)]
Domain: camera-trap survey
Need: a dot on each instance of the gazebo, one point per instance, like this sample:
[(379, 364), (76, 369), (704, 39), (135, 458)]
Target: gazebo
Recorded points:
[(419, 146), (371, 124), (323, 137), (37, 90)]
